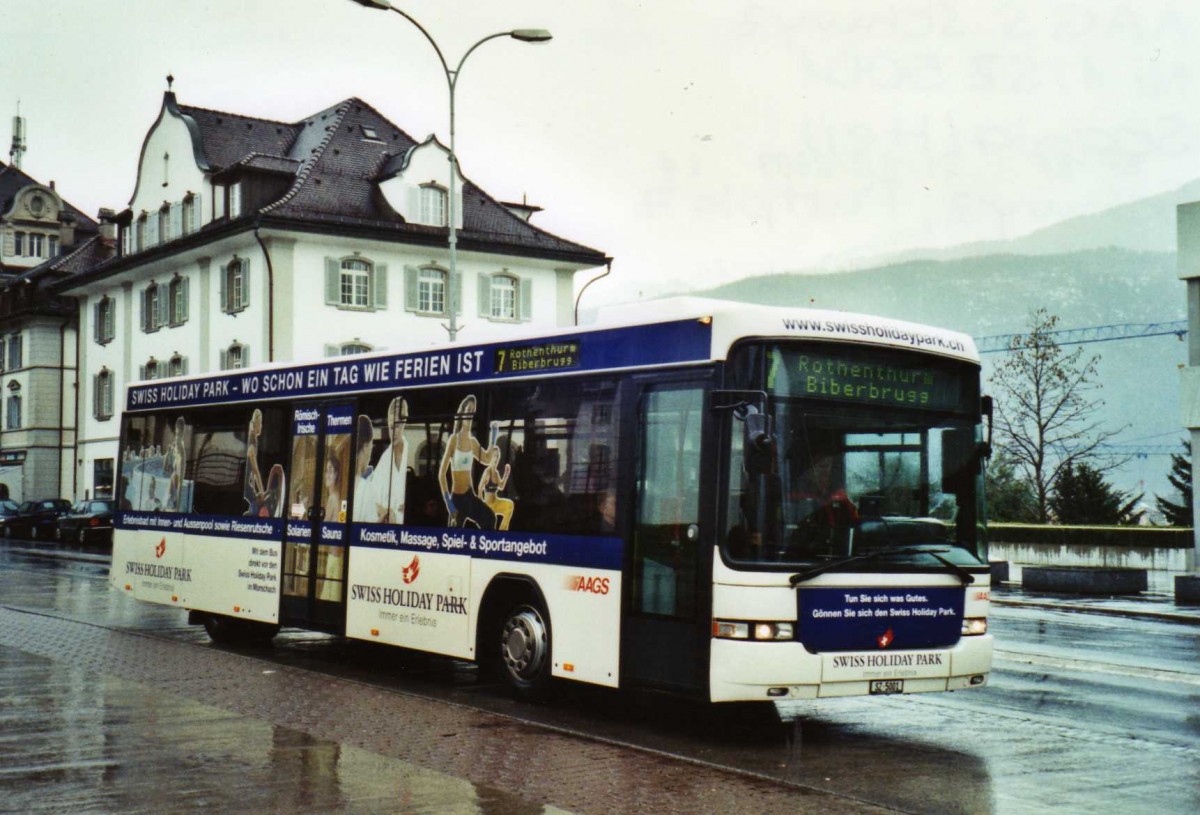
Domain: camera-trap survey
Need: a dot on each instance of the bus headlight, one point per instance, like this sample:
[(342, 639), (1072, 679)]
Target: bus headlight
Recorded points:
[(974, 626), (761, 632)]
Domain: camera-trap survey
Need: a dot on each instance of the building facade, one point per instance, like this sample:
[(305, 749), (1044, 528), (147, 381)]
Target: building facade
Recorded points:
[(1188, 258), (41, 238), (249, 241)]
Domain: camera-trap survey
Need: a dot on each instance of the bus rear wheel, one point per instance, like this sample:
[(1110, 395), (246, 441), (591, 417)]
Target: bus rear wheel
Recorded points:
[(525, 650), (232, 631)]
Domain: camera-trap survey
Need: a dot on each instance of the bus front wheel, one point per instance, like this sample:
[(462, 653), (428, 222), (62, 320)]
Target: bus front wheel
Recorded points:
[(525, 650)]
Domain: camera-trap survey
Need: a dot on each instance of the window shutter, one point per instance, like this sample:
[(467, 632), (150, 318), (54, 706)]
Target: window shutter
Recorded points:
[(245, 266), (152, 230), (186, 295), (414, 205), (485, 295), (142, 372), (456, 285), (333, 280), (177, 219), (332, 350), (127, 240), (224, 359), (381, 285), (96, 329), (525, 292), (245, 356), (142, 311), (197, 213), (223, 296), (183, 369), (412, 295), (96, 412)]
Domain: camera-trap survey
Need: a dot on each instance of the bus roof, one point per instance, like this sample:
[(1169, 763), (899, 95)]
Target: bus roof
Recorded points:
[(656, 334)]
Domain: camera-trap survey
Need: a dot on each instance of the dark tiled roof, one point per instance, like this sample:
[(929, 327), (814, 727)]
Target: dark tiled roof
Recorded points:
[(228, 138), (13, 180), (337, 166)]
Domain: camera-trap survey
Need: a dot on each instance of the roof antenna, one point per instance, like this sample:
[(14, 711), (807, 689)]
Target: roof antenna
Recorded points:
[(18, 139)]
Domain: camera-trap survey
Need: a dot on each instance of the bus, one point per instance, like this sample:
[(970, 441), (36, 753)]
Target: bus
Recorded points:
[(728, 502)]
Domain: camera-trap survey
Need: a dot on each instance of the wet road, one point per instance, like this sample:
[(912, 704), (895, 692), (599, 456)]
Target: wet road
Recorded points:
[(1084, 714)]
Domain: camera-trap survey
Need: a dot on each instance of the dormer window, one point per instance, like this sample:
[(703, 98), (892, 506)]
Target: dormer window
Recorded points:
[(370, 134), (236, 356), (235, 199), (433, 205)]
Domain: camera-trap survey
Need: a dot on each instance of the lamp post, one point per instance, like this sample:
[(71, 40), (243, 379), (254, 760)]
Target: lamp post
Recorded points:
[(521, 34)]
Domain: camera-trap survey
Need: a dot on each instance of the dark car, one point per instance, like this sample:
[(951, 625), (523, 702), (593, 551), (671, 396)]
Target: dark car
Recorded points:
[(8, 508), (37, 520), (88, 522)]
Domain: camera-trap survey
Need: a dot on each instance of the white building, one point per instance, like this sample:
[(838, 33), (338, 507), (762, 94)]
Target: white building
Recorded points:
[(41, 239), (248, 241)]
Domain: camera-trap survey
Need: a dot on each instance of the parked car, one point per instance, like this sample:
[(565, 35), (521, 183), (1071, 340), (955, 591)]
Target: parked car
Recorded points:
[(88, 522), (37, 520), (8, 508)]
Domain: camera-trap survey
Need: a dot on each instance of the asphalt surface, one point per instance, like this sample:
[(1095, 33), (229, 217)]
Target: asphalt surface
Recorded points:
[(99, 715)]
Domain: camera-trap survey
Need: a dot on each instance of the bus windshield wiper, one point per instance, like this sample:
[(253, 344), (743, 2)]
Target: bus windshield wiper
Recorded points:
[(808, 574)]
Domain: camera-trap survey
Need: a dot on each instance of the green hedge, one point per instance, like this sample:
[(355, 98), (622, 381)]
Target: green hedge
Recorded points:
[(1156, 537)]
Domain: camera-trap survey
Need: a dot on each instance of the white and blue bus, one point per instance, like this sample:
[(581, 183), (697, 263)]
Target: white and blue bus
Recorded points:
[(729, 502)]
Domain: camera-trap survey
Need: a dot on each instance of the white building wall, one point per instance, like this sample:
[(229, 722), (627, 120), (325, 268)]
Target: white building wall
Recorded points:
[(169, 180)]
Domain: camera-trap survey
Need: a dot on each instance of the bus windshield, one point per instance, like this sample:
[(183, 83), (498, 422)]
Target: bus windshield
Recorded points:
[(869, 449)]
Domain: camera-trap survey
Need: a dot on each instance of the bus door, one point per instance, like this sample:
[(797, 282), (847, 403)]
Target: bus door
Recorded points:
[(316, 534), (666, 627)]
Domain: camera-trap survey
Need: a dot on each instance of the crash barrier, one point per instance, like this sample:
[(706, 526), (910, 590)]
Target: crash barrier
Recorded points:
[(1084, 580), (1162, 552)]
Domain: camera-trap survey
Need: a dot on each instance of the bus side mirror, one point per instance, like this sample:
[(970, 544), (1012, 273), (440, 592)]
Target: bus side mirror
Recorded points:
[(758, 443), (960, 460)]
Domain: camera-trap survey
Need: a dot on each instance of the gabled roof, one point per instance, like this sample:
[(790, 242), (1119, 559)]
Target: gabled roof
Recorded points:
[(14, 179), (336, 166)]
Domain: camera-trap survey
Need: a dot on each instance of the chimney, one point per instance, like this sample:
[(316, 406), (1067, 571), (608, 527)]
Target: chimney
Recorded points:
[(108, 224)]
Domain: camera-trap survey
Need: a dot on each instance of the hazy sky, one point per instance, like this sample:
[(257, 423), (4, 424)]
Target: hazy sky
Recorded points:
[(698, 141)]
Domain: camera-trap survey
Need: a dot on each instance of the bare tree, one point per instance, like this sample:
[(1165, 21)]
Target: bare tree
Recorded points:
[(1046, 408)]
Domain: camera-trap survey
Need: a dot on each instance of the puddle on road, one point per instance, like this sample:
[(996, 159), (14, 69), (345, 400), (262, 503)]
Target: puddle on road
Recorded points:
[(76, 741)]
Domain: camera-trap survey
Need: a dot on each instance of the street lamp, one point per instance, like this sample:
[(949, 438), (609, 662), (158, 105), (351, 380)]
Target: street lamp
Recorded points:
[(522, 34)]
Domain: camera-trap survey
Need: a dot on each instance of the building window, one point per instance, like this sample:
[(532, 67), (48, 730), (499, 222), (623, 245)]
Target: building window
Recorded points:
[(355, 282), (177, 366), (140, 233), (433, 205), (15, 354), (190, 210), (503, 297), (236, 356), (19, 244), (431, 291), (153, 308), (369, 133), (177, 295), (13, 414), (102, 395), (105, 319), (235, 294), (52, 243), (355, 346), (102, 478), (164, 224), (152, 369), (37, 245), (235, 199)]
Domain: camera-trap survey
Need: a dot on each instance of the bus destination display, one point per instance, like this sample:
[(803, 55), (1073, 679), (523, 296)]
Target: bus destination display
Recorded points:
[(559, 355)]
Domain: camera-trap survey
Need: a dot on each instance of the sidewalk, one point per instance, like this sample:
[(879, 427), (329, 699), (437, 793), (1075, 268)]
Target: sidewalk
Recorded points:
[(1146, 606)]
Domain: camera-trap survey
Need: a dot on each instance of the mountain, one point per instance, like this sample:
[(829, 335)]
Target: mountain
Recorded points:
[(1146, 225)]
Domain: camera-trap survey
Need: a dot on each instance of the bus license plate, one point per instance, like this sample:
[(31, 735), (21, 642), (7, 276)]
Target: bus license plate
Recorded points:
[(886, 686)]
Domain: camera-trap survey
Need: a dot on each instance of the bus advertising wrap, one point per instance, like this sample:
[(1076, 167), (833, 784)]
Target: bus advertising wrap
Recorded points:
[(661, 344)]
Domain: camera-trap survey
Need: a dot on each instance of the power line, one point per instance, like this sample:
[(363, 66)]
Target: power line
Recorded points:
[(997, 343)]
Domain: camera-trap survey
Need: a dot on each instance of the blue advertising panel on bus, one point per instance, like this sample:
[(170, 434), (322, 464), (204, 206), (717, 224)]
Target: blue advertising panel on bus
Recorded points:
[(895, 618), (645, 345)]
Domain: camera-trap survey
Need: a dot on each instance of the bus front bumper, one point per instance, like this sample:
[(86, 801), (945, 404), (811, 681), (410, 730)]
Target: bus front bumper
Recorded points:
[(776, 671)]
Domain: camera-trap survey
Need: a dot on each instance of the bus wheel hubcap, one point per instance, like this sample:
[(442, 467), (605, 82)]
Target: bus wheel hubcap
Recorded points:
[(523, 644)]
